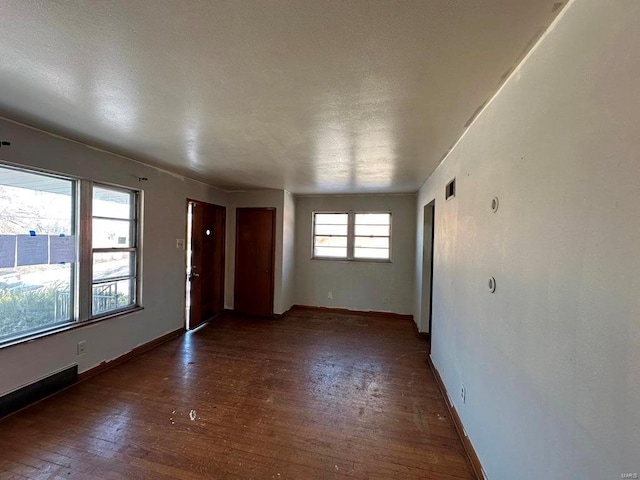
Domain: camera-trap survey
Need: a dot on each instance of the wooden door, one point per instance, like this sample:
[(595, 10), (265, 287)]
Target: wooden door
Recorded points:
[(206, 269), (255, 256)]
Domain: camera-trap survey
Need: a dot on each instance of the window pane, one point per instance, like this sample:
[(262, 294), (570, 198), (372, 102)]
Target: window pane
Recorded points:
[(112, 203), (340, 252), (331, 230), (113, 265), (373, 218), (331, 242), (372, 242), (35, 297), (112, 295), (376, 230), (331, 218), (111, 233), (35, 202), (378, 253)]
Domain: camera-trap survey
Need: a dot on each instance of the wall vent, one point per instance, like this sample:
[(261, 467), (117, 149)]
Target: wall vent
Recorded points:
[(450, 190)]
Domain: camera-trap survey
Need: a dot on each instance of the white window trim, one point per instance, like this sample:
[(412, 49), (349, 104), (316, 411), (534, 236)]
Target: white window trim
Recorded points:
[(351, 236)]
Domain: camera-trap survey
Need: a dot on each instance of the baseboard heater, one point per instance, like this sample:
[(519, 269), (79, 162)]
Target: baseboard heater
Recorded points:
[(38, 390)]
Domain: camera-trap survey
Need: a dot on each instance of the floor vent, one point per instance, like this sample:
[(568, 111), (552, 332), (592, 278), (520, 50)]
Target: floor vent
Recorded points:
[(29, 394)]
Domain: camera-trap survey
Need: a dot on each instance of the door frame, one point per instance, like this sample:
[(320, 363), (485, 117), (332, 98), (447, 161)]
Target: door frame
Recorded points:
[(273, 253), (186, 262), (428, 248)]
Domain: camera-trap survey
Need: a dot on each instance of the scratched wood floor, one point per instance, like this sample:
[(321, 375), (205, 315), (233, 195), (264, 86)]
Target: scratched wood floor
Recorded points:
[(311, 396)]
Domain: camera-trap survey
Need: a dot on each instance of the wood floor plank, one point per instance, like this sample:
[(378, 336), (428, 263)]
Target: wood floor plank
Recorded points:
[(314, 395)]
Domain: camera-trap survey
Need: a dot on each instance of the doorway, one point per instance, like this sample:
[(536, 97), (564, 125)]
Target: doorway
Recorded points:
[(205, 262), (426, 320), (255, 256)]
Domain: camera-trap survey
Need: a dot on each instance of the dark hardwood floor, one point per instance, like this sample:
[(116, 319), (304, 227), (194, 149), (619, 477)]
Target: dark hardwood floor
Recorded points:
[(315, 395)]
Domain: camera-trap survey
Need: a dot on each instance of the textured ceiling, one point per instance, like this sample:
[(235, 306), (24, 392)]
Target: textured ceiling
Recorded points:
[(313, 96)]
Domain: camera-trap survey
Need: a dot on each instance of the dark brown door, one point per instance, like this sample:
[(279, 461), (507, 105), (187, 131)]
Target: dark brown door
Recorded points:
[(206, 263), (255, 253)]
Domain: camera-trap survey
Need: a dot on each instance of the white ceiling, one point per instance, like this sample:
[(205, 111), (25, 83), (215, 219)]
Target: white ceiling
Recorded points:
[(313, 96)]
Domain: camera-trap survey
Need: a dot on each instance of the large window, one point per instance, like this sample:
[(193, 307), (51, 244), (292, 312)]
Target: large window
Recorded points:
[(42, 283), (352, 235), (35, 292)]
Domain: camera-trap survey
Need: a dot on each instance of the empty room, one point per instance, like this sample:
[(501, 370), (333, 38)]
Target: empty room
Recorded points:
[(296, 239)]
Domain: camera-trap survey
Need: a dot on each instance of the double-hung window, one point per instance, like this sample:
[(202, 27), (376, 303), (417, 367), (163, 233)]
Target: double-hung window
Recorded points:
[(69, 252), (372, 236), (330, 235), (352, 236), (114, 249)]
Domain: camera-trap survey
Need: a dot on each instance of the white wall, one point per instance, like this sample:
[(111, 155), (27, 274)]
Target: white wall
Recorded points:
[(163, 265), (357, 285), (259, 198), (551, 361)]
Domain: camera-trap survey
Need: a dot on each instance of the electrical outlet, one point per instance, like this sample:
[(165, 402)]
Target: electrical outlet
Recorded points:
[(180, 243), (330, 295), (82, 347), (463, 394), (385, 300)]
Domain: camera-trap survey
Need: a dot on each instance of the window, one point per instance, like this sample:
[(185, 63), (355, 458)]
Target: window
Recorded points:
[(35, 294), (330, 235), (352, 236), (372, 236), (43, 285), (114, 253)]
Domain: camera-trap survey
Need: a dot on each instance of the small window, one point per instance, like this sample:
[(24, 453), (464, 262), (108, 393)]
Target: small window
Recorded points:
[(352, 235), (115, 249), (450, 190), (330, 235), (372, 236)]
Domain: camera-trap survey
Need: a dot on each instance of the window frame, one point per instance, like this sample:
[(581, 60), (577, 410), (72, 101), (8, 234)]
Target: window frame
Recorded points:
[(53, 327), (313, 235), (135, 248), (351, 236), (81, 279)]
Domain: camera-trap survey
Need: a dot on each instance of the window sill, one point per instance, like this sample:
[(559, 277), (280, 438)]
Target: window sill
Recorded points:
[(67, 327), (351, 260), (113, 314)]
